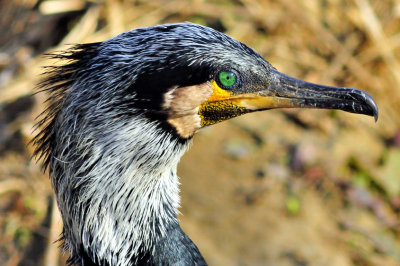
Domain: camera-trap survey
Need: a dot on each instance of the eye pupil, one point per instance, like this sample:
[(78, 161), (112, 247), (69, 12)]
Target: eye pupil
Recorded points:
[(227, 79)]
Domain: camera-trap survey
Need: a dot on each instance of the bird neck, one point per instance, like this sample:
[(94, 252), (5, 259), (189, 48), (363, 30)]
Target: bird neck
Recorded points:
[(119, 199)]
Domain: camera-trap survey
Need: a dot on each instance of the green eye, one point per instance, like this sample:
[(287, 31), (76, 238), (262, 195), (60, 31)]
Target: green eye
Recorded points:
[(227, 79)]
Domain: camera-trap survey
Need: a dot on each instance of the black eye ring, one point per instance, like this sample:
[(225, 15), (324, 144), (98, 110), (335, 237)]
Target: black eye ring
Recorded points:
[(227, 79)]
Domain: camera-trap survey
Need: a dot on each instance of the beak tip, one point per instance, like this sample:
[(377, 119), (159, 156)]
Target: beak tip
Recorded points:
[(374, 107), (376, 116), (368, 104)]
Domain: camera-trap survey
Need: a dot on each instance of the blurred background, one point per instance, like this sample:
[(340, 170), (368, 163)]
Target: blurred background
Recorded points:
[(283, 187)]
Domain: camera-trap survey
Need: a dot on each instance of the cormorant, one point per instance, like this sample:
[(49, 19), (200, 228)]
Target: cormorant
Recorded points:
[(121, 114)]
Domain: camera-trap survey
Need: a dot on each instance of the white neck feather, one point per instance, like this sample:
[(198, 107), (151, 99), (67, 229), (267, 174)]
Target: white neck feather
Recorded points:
[(131, 190)]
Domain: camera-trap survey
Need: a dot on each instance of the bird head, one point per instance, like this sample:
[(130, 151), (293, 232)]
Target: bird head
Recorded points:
[(190, 76), (180, 77)]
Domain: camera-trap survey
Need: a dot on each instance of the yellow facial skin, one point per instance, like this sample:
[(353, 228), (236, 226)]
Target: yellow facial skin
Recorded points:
[(224, 104), (219, 94), (220, 106)]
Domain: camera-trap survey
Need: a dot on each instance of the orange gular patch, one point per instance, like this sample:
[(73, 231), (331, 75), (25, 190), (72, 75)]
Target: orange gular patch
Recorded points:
[(220, 106)]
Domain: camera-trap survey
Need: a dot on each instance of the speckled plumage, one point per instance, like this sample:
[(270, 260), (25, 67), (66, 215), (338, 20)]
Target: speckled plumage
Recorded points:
[(111, 139), (112, 156)]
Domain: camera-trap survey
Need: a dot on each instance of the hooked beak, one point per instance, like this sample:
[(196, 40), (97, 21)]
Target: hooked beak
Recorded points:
[(288, 92)]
